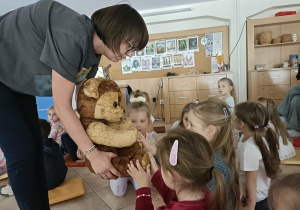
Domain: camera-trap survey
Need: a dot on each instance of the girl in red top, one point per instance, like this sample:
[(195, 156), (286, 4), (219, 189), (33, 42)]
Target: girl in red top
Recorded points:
[(186, 167)]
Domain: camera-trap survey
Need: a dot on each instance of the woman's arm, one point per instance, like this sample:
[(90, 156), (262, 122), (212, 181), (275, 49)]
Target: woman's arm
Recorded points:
[(251, 179), (62, 91)]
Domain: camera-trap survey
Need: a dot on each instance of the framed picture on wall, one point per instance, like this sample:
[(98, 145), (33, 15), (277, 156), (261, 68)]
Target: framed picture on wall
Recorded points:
[(126, 67), (155, 63), (135, 64), (149, 50), (193, 43), (188, 59), (171, 46), (159, 47), (177, 60), (146, 64), (182, 45), (166, 62)]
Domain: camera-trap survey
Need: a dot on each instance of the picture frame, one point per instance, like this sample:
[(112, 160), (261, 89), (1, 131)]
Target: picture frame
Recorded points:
[(177, 60), (155, 63), (182, 45), (171, 46), (188, 59), (135, 64), (159, 47), (166, 62), (149, 49), (193, 43), (146, 64)]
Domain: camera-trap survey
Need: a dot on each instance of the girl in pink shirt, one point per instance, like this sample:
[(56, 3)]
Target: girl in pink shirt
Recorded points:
[(57, 128)]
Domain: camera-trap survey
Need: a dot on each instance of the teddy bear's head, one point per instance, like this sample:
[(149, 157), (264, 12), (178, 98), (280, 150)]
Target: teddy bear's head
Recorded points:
[(100, 99)]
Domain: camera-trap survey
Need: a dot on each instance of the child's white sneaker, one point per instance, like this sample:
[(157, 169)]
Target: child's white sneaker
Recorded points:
[(6, 190)]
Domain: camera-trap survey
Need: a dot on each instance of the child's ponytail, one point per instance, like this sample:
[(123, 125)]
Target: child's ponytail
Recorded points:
[(219, 201)]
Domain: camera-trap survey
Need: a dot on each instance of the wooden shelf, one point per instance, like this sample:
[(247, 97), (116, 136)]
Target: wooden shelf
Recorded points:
[(277, 44)]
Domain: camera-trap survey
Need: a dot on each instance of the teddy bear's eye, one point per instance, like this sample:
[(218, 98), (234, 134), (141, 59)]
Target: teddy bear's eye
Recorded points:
[(115, 104)]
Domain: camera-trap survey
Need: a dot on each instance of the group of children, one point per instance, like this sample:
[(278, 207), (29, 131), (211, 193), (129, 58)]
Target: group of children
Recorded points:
[(197, 166)]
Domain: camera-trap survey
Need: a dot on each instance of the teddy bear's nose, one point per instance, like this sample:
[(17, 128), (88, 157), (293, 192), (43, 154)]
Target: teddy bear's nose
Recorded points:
[(124, 111)]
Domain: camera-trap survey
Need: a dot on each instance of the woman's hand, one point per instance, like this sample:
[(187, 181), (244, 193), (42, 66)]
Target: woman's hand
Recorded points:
[(101, 164), (139, 174), (147, 146)]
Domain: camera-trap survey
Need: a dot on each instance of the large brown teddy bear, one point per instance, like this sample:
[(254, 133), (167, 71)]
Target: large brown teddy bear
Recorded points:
[(101, 116)]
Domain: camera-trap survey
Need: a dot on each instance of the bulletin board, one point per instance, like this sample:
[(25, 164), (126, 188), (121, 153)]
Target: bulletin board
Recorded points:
[(202, 63)]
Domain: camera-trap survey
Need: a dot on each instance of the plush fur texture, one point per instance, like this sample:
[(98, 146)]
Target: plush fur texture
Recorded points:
[(101, 116)]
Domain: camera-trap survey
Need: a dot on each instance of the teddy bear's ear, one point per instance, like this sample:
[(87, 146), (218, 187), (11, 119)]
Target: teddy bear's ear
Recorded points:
[(90, 88)]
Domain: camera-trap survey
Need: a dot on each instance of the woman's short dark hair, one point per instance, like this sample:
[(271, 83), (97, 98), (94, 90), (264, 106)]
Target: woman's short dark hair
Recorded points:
[(116, 23)]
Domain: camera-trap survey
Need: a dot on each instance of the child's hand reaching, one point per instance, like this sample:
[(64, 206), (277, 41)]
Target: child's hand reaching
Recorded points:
[(147, 146), (139, 174), (154, 166)]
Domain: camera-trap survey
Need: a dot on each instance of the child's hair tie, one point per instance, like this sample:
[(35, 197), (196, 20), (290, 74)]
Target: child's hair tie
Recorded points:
[(256, 126), (225, 113), (138, 99), (174, 153)]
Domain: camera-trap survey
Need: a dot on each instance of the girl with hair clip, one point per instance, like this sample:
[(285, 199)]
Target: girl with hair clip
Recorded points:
[(183, 122), (257, 154), (284, 193), (286, 148), (212, 119), (139, 114), (227, 92), (181, 181)]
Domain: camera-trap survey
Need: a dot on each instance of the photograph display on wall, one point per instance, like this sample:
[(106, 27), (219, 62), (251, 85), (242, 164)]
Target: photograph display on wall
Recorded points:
[(193, 43), (171, 46), (214, 45), (135, 64), (177, 60), (149, 49), (155, 63), (166, 62), (126, 67), (188, 59), (146, 64), (160, 47), (182, 45)]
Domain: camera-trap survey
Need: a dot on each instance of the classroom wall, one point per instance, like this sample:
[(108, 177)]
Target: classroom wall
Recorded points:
[(223, 12)]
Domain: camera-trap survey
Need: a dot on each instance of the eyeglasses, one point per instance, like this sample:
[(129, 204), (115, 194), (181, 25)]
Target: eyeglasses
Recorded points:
[(132, 48)]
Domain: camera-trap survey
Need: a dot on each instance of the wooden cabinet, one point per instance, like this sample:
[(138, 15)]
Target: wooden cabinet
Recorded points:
[(271, 82), (180, 90)]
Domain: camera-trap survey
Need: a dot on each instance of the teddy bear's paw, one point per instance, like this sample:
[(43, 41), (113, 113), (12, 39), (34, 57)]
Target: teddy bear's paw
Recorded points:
[(145, 161), (124, 124), (102, 134)]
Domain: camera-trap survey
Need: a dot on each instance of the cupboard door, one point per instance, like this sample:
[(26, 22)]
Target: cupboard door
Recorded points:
[(176, 110), (182, 83), (294, 80), (205, 94), (209, 82), (273, 91), (280, 77), (183, 97)]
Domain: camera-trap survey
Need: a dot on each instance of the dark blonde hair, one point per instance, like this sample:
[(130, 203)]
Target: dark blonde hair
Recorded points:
[(230, 83), (195, 162), (139, 106), (117, 23), (283, 187), (139, 93), (185, 110), (51, 108), (256, 116), (280, 130), (216, 112)]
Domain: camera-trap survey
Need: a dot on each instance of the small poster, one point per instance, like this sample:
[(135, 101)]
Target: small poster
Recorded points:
[(214, 65), (182, 45), (166, 62), (209, 45), (160, 47), (149, 49), (217, 44), (171, 46), (177, 60), (99, 72), (145, 64), (140, 52), (155, 63), (136, 64), (193, 43), (126, 67), (188, 59), (294, 60)]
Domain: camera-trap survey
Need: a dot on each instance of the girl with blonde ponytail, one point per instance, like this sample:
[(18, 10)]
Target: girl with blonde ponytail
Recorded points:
[(257, 154), (187, 165)]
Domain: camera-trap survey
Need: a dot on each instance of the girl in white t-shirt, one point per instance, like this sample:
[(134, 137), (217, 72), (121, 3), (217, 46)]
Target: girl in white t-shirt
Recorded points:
[(286, 148), (257, 154), (227, 92)]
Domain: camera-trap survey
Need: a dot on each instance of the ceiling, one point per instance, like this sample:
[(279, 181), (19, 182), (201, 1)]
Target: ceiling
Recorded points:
[(87, 7)]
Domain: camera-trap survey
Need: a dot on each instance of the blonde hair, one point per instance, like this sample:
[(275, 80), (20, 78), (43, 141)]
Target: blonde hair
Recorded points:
[(216, 112), (139, 93), (230, 83), (192, 150), (139, 106), (280, 130), (51, 108), (185, 110), (283, 188), (256, 116)]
